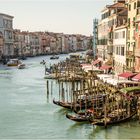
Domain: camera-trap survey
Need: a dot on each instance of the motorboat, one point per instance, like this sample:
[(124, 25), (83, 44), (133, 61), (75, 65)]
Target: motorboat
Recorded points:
[(13, 62), (21, 66), (54, 57)]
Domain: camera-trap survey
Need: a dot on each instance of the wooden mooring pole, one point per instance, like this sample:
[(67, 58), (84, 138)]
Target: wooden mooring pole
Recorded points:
[(47, 91)]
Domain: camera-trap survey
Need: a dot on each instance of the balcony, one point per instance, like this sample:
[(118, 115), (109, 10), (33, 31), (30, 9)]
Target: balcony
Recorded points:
[(130, 69), (129, 54), (137, 52), (6, 40), (110, 49), (110, 41), (138, 15)]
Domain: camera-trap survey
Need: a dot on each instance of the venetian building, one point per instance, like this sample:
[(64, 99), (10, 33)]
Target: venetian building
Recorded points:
[(103, 35), (34, 44), (66, 45), (117, 17), (53, 45), (131, 61), (6, 27), (1, 45), (136, 6)]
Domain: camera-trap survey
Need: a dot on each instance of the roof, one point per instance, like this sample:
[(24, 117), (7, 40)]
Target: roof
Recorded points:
[(136, 78), (117, 5), (126, 74), (1, 14), (124, 12), (96, 62)]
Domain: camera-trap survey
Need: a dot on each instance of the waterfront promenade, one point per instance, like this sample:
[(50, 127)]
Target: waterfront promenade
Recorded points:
[(26, 113)]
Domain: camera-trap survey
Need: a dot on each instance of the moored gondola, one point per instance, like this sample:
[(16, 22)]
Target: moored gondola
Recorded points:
[(113, 120), (72, 105), (78, 118)]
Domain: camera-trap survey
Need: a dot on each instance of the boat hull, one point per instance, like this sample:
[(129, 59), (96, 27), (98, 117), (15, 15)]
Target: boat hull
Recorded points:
[(115, 122), (80, 118), (70, 105)]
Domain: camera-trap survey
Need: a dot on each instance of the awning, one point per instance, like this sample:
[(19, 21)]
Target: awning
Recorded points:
[(127, 74), (96, 62), (105, 67), (136, 78)]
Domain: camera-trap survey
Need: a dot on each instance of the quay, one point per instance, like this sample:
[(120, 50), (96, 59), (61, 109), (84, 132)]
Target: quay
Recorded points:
[(103, 98)]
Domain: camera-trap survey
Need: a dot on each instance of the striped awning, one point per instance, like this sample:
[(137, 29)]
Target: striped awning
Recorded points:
[(136, 78), (126, 74)]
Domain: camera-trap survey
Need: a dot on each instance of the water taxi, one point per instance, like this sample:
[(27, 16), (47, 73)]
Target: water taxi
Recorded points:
[(54, 57), (13, 62)]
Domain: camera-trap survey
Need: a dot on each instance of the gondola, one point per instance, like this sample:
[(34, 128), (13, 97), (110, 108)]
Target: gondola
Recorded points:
[(56, 102), (54, 57), (69, 105), (78, 118), (114, 120), (63, 104)]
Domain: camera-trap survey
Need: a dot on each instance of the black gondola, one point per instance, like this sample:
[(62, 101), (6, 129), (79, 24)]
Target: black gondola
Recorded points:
[(54, 57), (69, 105), (78, 118), (114, 120)]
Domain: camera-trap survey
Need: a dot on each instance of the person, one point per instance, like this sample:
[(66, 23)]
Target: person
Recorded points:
[(43, 62)]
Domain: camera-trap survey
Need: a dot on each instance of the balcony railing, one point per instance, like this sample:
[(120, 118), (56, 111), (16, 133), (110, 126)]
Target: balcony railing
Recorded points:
[(137, 52), (138, 10), (129, 54), (110, 49), (127, 68), (8, 40)]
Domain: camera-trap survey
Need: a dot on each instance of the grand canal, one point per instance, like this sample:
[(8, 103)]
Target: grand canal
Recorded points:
[(25, 111)]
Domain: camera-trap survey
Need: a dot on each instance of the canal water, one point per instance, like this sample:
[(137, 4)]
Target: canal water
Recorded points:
[(26, 113)]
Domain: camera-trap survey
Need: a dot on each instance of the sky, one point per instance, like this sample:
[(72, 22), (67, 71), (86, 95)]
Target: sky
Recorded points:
[(60, 16)]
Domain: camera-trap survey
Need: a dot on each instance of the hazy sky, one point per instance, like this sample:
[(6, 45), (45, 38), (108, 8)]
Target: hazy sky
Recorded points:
[(67, 16)]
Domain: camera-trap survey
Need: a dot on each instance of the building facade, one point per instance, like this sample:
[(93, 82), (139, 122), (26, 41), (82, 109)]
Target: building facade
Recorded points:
[(137, 37), (95, 37), (6, 28), (119, 53), (1, 45), (130, 56), (103, 35)]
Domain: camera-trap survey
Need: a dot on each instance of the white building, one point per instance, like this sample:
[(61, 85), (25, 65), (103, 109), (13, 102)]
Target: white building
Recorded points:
[(72, 43), (103, 35), (6, 28), (119, 43)]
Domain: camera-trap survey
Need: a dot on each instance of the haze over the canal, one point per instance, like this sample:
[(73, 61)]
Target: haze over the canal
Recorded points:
[(67, 16)]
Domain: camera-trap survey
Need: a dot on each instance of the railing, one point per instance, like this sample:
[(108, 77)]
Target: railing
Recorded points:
[(131, 69), (8, 40), (129, 54)]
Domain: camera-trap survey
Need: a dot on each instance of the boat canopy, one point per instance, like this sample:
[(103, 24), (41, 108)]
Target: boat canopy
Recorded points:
[(131, 89)]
